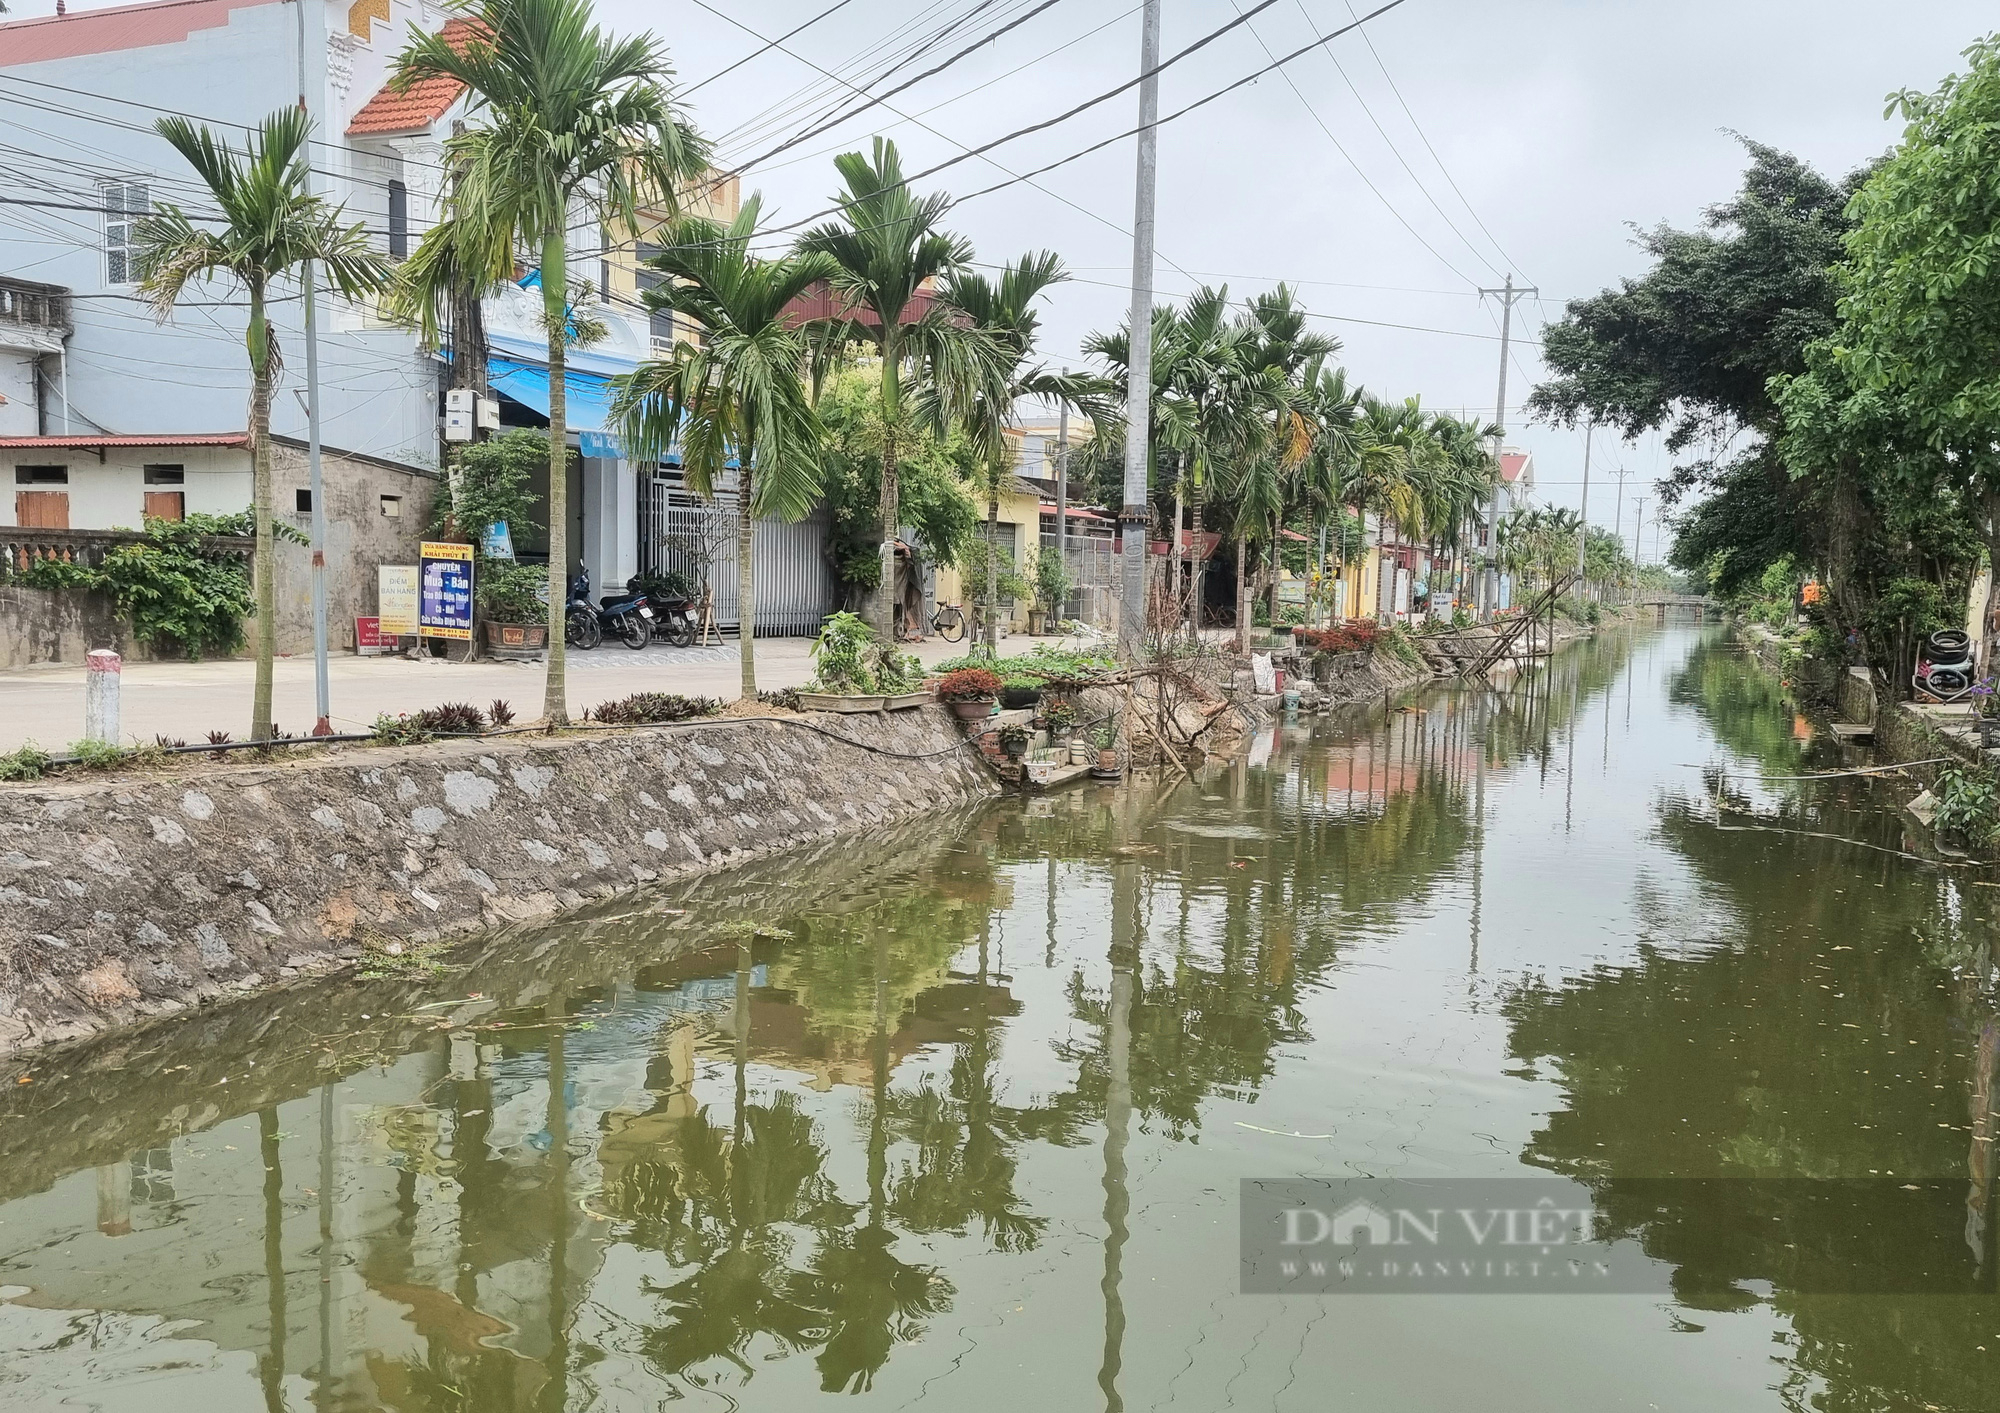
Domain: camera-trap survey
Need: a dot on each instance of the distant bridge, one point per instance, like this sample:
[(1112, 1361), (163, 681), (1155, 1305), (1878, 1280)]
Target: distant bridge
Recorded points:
[(1663, 603)]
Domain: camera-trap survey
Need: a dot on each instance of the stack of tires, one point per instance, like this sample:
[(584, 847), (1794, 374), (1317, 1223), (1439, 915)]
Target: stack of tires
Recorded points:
[(1945, 666)]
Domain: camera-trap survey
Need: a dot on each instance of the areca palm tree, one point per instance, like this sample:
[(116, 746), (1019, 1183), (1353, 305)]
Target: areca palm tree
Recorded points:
[(1004, 311), (270, 225), (741, 395), (573, 124), (889, 247)]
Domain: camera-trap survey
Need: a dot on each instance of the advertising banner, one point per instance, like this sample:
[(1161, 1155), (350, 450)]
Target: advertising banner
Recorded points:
[(444, 605)]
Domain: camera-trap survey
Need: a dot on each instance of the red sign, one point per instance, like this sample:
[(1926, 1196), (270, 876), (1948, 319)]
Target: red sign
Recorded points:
[(368, 636)]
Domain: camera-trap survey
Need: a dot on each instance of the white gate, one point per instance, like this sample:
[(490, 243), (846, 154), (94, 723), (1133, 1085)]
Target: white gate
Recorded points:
[(796, 589)]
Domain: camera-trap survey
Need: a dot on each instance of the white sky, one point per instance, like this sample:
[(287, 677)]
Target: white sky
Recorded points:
[(1559, 121)]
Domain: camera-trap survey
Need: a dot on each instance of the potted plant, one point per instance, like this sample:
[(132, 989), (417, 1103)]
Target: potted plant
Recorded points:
[(486, 501), (1052, 588), (1059, 715), (970, 692), (513, 617), (845, 657), (1105, 738), (1018, 692), (1014, 740)]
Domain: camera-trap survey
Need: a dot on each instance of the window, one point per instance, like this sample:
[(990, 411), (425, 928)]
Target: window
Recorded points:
[(303, 500), (41, 475), (164, 475), (124, 203), (399, 220), (662, 321), (392, 506)]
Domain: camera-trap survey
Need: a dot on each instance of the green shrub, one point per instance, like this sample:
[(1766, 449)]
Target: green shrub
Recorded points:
[(651, 708), (1968, 806), (30, 762), (511, 593)]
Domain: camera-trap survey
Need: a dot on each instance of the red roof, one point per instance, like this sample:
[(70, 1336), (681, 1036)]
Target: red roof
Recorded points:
[(414, 108), (820, 302), (1076, 512), (1512, 463), (49, 37), (101, 440)]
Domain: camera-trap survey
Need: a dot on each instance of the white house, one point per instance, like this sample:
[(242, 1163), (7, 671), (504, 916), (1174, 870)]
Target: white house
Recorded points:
[(107, 414)]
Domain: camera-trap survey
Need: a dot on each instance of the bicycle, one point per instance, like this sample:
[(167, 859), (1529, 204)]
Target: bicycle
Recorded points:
[(948, 622)]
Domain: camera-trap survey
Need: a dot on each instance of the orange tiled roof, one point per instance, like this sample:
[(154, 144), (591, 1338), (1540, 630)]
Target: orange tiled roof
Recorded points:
[(414, 108)]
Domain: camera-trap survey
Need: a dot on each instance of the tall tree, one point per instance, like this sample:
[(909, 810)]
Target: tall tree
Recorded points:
[(1690, 348), (740, 396), (270, 225), (1004, 310), (575, 128), (890, 248)]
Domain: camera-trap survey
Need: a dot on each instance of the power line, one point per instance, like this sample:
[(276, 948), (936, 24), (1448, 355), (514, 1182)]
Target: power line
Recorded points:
[(767, 47), (1337, 147), (1424, 137), (880, 100)]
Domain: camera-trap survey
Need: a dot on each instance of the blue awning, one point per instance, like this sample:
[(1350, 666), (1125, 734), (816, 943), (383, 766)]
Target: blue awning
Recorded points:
[(588, 402)]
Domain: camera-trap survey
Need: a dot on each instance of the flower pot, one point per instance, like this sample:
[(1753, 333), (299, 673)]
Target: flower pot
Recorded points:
[(971, 708), (1079, 752), (1038, 622), (903, 701), (512, 639), (1107, 760), (828, 701), (1019, 698)]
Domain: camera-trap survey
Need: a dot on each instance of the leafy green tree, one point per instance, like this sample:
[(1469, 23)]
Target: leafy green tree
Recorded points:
[(889, 245), (740, 395), (270, 226), (1920, 310), (933, 472), (571, 123), (1691, 346)]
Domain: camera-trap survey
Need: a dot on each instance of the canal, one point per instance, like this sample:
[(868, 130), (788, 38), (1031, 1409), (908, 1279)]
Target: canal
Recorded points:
[(960, 1117)]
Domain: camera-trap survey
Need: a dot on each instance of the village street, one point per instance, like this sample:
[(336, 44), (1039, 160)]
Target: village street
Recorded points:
[(186, 700)]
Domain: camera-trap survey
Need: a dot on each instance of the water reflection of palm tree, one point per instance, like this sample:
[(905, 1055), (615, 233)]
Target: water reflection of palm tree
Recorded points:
[(868, 1298)]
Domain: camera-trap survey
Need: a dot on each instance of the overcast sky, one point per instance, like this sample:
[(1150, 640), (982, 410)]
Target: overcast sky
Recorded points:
[(1513, 138)]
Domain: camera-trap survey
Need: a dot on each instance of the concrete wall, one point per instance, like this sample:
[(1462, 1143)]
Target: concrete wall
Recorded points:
[(17, 398), (111, 494), (360, 537), (134, 896), (43, 625)]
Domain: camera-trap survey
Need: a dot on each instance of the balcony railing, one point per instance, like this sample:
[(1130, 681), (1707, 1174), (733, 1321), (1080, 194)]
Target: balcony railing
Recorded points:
[(21, 546), (25, 304)]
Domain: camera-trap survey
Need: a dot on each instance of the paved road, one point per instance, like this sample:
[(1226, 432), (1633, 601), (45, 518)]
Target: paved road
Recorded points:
[(187, 700)]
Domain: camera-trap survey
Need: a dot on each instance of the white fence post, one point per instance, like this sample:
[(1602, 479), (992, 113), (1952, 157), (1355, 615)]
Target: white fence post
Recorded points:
[(100, 696)]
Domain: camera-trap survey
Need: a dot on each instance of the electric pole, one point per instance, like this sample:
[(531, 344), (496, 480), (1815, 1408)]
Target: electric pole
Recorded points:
[(1132, 515), (1583, 512), (1062, 497), (1637, 530), (322, 695), (1507, 296), (1618, 508)]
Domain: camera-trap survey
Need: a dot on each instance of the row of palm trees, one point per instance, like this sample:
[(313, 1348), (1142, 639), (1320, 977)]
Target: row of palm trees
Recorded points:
[(1255, 430)]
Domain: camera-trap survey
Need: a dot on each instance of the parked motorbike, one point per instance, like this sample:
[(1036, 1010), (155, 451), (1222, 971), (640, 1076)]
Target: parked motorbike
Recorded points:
[(628, 616), (673, 615), (580, 626)]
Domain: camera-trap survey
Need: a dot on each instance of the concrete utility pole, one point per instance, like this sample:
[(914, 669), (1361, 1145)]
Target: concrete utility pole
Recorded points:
[(1139, 364), (1583, 512), (1637, 530), (1618, 507), (1062, 495), (322, 695), (1507, 295)]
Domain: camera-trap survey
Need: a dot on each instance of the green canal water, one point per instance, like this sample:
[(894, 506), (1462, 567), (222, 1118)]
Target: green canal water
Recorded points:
[(958, 1117)]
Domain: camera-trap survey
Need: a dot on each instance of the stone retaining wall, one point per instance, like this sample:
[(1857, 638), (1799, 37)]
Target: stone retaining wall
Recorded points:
[(136, 895)]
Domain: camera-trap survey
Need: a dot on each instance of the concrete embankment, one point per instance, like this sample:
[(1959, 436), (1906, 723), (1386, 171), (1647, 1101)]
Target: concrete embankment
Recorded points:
[(137, 895)]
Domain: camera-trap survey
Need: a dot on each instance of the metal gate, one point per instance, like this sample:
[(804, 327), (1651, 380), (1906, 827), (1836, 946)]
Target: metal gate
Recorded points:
[(796, 589)]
